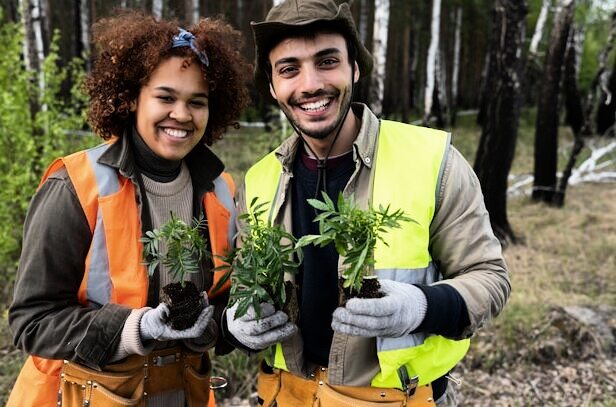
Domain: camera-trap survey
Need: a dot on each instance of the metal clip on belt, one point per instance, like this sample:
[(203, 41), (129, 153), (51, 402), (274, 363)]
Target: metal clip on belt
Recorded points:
[(165, 360), (409, 384)]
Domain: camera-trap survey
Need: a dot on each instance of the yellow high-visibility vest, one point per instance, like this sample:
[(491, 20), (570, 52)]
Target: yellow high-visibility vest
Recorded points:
[(407, 173)]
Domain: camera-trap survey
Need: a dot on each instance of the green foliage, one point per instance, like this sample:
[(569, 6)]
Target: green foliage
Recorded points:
[(35, 124), (354, 232), (259, 265), (185, 247)]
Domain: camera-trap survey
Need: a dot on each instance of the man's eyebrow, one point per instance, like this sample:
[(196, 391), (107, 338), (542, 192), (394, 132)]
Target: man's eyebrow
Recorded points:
[(173, 91), (320, 54)]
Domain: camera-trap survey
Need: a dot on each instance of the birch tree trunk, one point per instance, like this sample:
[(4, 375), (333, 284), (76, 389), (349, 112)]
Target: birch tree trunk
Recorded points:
[(84, 26), (157, 9), (33, 51), (456, 61), (379, 52), (538, 34), (607, 106), (195, 11), (363, 21), (435, 28), (501, 117), (546, 128)]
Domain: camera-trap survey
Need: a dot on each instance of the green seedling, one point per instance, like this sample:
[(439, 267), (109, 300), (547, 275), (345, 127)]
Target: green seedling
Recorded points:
[(354, 232), (266, 254)]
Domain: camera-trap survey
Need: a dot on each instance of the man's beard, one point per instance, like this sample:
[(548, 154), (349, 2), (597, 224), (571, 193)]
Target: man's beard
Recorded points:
[(325, 132)]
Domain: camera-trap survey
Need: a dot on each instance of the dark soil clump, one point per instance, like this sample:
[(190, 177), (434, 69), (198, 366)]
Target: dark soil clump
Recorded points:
[(370, 289), (185, 304), (291, 304)]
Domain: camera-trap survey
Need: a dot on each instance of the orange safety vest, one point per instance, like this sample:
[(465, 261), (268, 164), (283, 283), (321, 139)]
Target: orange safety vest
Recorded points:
[(108, 201)]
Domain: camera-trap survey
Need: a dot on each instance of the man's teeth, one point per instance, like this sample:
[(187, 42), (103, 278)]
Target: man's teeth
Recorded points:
[(176, 133), (314, 106)]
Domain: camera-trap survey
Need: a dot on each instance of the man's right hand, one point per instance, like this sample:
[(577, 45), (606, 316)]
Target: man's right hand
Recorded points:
[(271, 327)]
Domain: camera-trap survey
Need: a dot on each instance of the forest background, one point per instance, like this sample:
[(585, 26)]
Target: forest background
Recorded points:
[(524, 86)]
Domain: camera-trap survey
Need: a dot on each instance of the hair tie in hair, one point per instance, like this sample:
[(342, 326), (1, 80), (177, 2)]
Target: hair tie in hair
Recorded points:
[(187, 39)]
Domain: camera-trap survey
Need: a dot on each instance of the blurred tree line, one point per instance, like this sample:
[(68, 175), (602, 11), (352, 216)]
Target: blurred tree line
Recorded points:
[(434, 60)]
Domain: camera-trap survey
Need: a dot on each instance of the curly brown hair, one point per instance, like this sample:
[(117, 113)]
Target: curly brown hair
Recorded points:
[(132, 44)]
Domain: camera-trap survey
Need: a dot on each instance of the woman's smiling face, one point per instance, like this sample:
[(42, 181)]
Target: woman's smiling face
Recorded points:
[(172, 108)]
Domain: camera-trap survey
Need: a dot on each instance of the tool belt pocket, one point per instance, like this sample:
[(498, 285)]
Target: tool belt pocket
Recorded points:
[(268, 385), (347, 396), (82, 386), (197, 371)]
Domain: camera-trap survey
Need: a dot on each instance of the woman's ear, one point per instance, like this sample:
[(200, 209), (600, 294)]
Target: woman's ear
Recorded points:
[(133, 106)]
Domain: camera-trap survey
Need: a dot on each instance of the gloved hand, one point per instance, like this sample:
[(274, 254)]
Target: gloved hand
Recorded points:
[(398, 313), (153, 325), (272, 326)]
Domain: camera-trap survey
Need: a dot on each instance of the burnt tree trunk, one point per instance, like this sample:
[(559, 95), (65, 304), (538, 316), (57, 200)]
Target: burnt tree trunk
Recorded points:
[(597, 87), (501, 117), (606, 112), (546, 127), (575, 116)]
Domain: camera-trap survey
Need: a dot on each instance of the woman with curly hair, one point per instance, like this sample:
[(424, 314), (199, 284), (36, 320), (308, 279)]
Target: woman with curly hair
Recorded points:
[(84, 306)]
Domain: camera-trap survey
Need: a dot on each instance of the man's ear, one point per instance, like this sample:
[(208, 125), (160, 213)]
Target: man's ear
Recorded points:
[(356, 75), (272, 92)]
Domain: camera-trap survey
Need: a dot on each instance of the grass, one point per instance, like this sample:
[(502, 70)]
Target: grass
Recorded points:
[(568, 257)]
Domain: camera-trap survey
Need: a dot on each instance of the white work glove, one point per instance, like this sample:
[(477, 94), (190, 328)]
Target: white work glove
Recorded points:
[(398, 313), (153, 325), (272, 326)]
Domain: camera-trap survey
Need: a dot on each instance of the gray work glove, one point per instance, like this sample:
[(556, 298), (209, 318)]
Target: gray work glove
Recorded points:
[(272, 327), (153, 325), (398, 313)]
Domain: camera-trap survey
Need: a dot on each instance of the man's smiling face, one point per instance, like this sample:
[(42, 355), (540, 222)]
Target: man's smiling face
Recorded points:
[(312, 82)]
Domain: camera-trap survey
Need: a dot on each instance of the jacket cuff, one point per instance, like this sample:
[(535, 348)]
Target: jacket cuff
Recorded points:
[(130, 339), (447, 314), (102, 336)]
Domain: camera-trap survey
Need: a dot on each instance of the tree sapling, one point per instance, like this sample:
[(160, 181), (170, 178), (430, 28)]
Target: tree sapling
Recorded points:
[(186, 247), (354, 232)]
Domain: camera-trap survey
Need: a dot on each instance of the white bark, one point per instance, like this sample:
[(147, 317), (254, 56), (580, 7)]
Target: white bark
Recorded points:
[(84, 22), (39, 52), (363, 21), (441, 73), (599, 167), (381, 21), (157, 9), (195, 11), (282, 117), (456, 57), (431, 59), (24, 9), (538, 34)]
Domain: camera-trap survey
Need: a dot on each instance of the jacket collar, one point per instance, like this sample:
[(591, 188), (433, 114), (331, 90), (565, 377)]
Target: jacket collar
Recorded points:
[(364, 145)]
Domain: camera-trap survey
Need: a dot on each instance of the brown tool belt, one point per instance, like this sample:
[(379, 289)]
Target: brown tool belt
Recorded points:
[(132, 381), (289, 390)]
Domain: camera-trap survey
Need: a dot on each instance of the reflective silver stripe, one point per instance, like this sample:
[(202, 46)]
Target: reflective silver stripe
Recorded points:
[(99, 280), (106, 177), (424, 275), (223, 193), (439, 179)]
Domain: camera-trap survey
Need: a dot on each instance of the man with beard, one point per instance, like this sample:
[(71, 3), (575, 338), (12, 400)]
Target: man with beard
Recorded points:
[(443, 280)]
